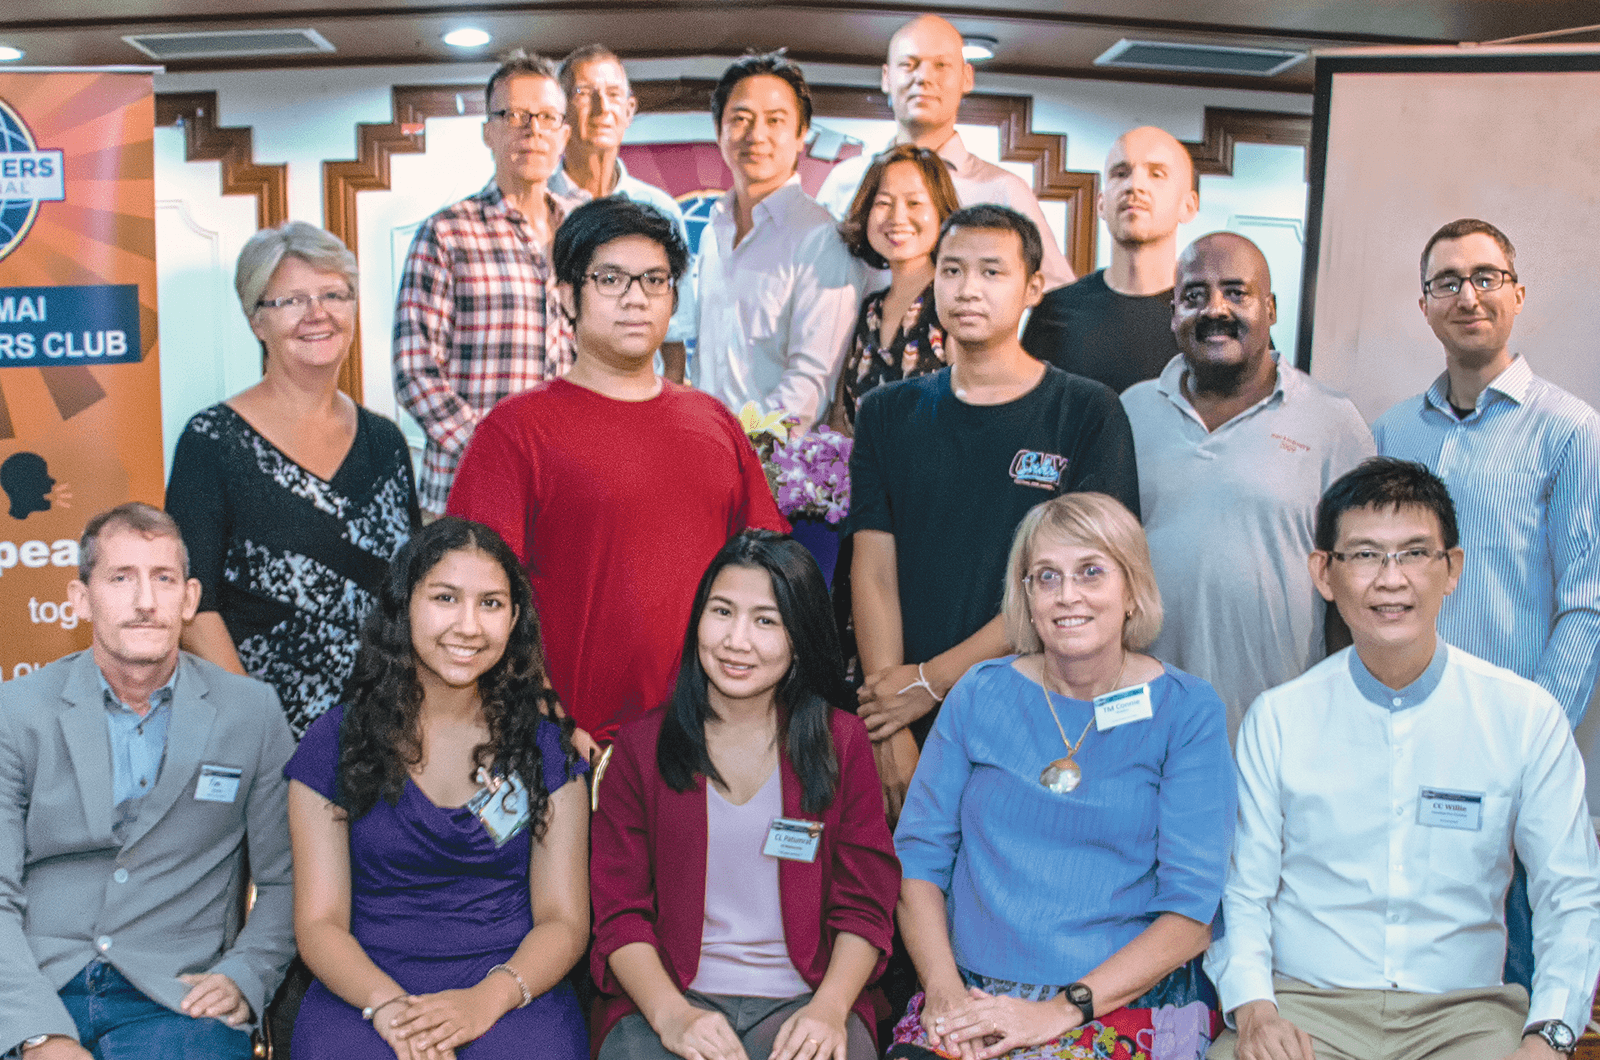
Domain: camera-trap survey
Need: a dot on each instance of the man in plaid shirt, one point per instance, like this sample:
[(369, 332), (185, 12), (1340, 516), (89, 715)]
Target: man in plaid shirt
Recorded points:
[(477, 318)]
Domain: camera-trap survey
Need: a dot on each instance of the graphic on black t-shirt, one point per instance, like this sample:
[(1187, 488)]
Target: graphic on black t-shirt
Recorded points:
[(1040, 470)]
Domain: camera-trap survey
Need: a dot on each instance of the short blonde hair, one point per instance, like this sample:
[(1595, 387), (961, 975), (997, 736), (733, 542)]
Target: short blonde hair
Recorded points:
[(265, 251), (1086, 520)]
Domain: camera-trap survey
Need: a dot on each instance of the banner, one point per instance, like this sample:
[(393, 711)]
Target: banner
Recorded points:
[(80, 394)]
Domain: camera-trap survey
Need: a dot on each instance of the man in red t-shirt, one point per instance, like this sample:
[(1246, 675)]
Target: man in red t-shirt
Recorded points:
[(614, 486)]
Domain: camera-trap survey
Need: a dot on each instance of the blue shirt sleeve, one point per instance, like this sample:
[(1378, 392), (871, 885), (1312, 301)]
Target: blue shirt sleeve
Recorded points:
[(928, 835), (1196, 807), (558, 769)]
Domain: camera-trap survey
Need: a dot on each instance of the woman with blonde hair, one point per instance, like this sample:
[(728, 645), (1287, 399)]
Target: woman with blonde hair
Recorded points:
[(292, 498), (1065, 838)]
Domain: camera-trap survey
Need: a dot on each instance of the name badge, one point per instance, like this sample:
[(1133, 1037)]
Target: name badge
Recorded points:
[(793, 840), (1122, 706), (218, 784), (1438, 808), (502, 805)]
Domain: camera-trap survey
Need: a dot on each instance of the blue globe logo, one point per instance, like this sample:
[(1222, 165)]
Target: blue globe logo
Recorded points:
[(16, 215)]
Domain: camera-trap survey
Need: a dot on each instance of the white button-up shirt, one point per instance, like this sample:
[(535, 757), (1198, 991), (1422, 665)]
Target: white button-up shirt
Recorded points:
[(976, 182), (1339, 881), (777, 312)]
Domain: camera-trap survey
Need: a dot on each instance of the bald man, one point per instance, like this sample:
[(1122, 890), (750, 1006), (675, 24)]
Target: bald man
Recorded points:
[(1115, 325), (925, 77), (1234, 448)]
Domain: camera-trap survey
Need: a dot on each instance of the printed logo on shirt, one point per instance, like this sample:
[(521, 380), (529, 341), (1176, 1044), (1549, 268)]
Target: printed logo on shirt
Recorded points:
[(1040, 470), (1289, 445)]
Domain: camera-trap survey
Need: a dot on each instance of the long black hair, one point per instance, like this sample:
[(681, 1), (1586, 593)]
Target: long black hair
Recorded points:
[(379, 739), (813, 686)]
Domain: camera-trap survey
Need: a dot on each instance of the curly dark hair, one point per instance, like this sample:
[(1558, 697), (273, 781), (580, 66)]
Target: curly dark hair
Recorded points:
[(379, 740)]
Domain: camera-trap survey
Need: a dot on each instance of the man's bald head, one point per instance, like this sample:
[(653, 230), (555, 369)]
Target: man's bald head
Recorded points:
[(1149, 187), (1223, 311), (925, 75)]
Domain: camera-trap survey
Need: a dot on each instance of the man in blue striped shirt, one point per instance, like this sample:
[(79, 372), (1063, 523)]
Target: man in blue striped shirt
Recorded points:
[(1521, 457)]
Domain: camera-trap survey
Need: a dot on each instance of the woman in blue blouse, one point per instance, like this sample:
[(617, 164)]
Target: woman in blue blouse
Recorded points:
[(1065, 838)]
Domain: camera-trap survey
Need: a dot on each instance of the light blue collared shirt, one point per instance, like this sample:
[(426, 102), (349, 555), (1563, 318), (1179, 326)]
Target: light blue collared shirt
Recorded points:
[(1399, 699), (138, 743), (1524, 471)]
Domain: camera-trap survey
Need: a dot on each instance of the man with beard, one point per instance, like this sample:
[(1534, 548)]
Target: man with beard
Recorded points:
[(1235, 446), (1115, 325)]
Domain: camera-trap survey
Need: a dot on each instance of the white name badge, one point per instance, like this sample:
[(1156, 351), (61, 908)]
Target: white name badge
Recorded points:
[(1438, 808), (218, 784), (1122, 706), (793, 840), (502, 805)]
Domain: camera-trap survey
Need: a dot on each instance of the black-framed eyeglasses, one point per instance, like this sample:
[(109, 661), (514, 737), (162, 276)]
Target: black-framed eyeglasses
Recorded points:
[(1369, 561), (614, 283), (327, 300), (544, 120), (1449, 285)]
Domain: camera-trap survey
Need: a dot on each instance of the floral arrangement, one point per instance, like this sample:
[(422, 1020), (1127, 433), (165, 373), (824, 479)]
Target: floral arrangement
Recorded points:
[(809, 472)]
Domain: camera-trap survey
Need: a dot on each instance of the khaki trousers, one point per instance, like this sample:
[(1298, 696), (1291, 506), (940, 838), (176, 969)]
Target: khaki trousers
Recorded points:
[(1482, 1024)]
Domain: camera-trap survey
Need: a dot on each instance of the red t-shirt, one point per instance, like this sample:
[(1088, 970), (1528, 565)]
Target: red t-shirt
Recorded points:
[(615, 508)]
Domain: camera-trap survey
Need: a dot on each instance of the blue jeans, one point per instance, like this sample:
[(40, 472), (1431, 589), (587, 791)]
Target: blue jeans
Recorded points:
[(117, 1022)]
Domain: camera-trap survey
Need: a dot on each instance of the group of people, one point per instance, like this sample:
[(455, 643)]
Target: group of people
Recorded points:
[(575, 692)]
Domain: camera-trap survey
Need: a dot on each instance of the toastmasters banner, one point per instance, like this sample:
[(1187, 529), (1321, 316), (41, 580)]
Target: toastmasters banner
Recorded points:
[(80, 398)]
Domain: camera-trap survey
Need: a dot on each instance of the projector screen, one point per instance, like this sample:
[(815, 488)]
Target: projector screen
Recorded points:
[(1406, 141)]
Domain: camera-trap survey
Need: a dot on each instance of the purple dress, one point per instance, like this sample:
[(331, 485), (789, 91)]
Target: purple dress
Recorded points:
[(435, 904)]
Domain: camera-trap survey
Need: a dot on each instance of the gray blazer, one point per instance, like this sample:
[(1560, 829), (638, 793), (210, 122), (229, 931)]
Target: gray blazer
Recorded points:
[(166, 902)]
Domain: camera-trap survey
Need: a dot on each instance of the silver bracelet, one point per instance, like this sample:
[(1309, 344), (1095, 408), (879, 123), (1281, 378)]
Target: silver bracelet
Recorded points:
[(922, 682), (527, 995), (372, 1010)]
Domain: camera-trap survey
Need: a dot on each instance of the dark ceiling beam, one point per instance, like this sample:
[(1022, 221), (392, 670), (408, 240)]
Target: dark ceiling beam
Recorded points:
[(666, 8)]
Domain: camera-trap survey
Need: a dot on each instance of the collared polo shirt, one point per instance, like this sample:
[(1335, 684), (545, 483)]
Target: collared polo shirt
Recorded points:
[(1230, 515)]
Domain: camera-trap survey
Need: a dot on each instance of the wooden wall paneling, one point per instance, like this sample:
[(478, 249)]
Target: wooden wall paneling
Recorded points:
[(369, 171), (1224, 127), (233, 146)]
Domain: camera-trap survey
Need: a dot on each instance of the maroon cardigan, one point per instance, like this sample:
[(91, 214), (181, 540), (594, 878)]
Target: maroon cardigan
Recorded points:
[(648, 868)]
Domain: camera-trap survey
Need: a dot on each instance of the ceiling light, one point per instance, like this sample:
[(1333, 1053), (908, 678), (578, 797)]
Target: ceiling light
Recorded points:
[(977, 49), (466, 37), (9, 54)]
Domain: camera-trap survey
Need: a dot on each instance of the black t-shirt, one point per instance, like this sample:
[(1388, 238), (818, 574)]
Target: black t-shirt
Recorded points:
[(1112, 338), (951, 481)]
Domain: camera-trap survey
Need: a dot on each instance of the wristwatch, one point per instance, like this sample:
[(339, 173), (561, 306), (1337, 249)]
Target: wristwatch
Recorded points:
[(1083, 997), (1556, 1035)]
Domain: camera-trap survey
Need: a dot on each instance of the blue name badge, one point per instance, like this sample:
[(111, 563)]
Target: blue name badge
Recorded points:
[(1438, 808), (45, 327), (502, 805)]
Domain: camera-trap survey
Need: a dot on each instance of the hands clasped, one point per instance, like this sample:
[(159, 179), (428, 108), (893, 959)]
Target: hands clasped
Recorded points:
[(433, 1026), (981, 1026)]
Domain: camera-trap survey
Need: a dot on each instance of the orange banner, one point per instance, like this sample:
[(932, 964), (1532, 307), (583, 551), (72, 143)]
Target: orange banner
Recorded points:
[(80, 393)]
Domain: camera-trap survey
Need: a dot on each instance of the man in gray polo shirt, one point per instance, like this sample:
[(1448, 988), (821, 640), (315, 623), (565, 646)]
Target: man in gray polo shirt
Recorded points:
[(1235, 446)]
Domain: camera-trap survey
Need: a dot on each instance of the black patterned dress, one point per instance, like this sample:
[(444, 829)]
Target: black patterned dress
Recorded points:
[(290, 561), (917, 347)]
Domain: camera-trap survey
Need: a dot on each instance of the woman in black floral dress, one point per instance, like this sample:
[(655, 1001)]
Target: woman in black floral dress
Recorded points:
[(893, 224), (291, 497)]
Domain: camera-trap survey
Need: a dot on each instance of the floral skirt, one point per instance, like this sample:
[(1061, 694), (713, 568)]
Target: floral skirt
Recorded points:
[(1175, 1020)]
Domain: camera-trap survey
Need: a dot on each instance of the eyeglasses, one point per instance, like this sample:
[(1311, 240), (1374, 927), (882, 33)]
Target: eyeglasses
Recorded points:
[(1369, 561), (543, 120), (328, 300), (1048, 581), (1485, 280), (614, 283)]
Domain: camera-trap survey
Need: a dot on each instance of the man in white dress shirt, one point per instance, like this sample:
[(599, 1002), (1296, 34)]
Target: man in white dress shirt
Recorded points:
[(925, 77), (779, 291), (1381, 796)]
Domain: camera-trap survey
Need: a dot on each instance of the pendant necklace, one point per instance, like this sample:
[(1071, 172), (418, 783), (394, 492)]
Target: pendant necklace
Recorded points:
[(1062, 775)]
